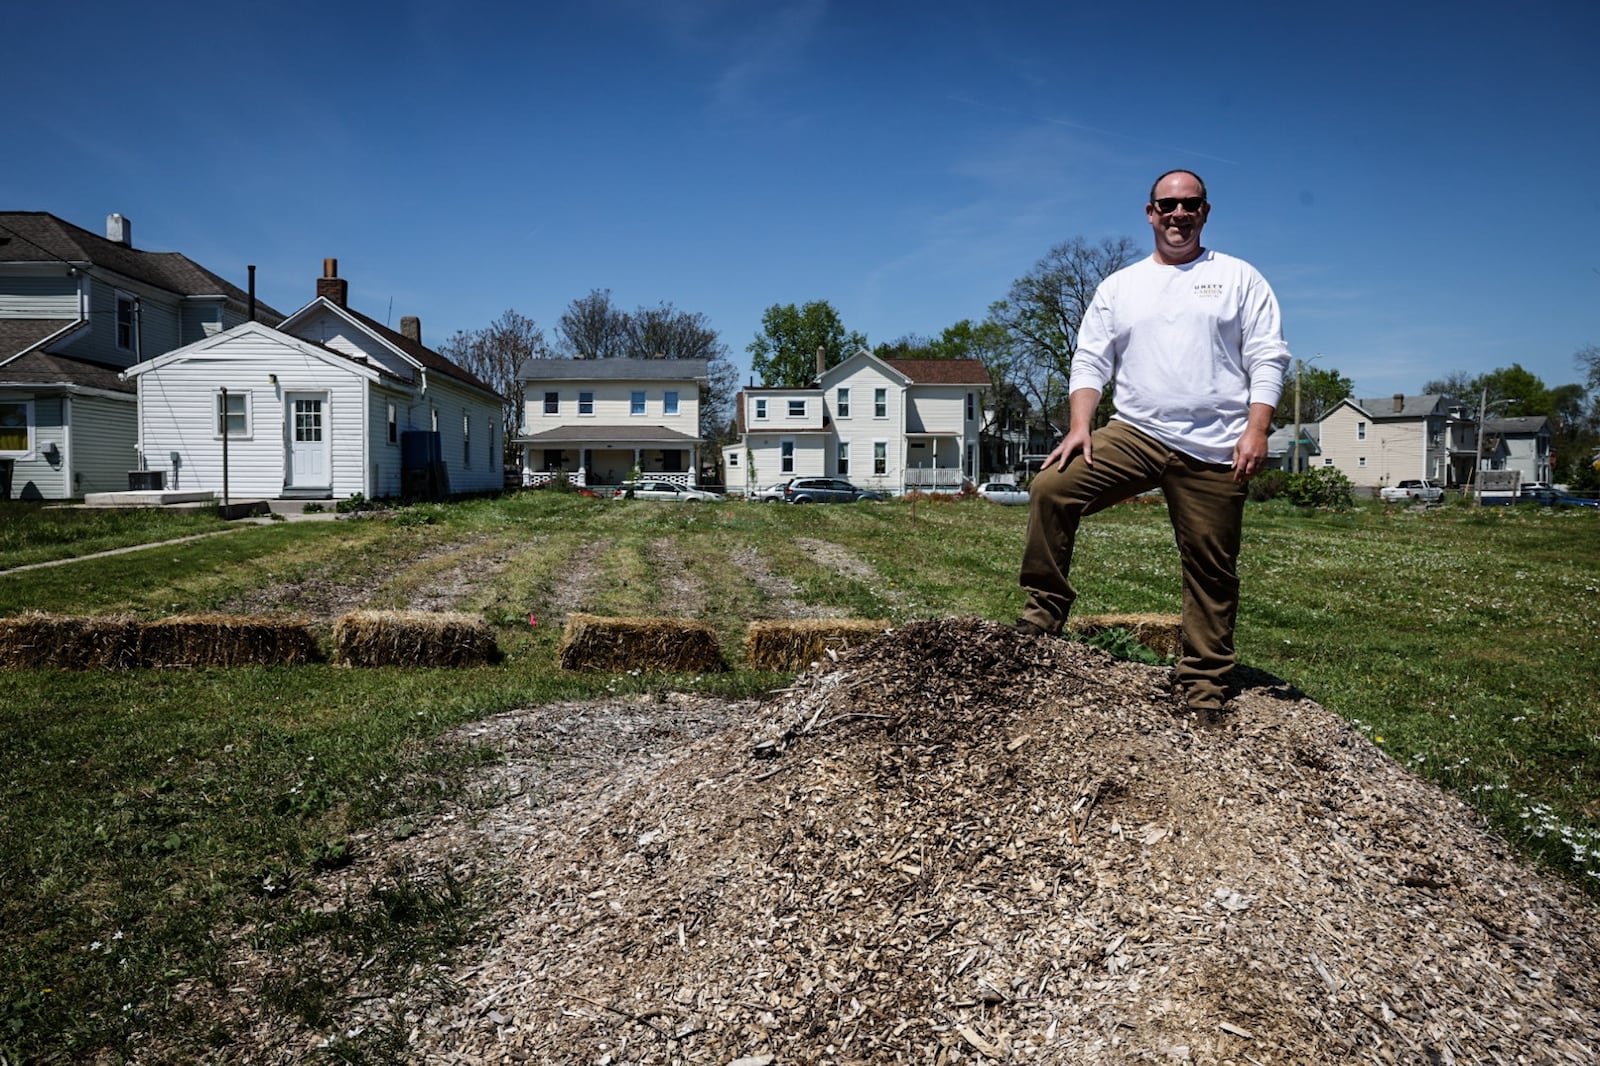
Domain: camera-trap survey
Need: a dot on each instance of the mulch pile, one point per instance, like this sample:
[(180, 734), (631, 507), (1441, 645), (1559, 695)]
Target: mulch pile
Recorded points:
[(960, 845)]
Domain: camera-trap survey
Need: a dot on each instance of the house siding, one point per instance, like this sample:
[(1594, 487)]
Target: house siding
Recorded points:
[(102, 431), (37, 478), (612, 405), (42, 296), (177, 415), (332, 331), (482, 472), (158, 326)]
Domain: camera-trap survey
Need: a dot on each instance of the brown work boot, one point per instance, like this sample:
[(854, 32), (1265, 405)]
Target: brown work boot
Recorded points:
[(1025, 628)]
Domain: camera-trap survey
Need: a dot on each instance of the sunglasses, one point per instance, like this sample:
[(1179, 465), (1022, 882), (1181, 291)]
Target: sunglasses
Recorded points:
[(1168, 204)]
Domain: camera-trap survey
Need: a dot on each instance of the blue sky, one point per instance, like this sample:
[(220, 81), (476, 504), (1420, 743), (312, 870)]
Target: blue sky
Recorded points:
[(1413, 179)]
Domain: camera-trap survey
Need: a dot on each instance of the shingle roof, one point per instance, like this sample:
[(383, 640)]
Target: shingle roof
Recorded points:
[(1514, 426), (1410, 406), (613, 369), (44, 370), (40, 237), (942, 371), (20, 334), (429, 358)]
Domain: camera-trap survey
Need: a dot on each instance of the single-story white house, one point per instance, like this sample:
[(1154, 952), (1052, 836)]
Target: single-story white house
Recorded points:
[(327, 405)]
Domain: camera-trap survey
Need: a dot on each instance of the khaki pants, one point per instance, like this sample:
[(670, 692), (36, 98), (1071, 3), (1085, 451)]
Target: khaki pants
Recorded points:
[(1206, 507)]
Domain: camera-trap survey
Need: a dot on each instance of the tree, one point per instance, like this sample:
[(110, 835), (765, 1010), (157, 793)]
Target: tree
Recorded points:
[(1044, 310), (1458, 384), (1588, 360), (1320, 390), (494, 354), (784, 353), (591, 328)]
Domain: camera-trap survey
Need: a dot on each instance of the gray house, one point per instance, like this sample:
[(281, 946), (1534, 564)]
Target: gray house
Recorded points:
[(76, 309)]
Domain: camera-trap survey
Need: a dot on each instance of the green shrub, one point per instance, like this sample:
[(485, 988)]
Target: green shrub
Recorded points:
[(1324, 487), (1268, 485)]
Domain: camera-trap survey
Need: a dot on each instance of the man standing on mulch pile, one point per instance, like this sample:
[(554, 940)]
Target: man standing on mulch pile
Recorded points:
[(1192, 342)]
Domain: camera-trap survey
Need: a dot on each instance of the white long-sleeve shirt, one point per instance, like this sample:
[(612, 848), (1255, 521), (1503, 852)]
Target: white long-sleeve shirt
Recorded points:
[(1189, 348)]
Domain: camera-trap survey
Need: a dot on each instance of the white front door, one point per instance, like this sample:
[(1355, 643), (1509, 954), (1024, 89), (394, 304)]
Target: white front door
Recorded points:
[(308, 440)]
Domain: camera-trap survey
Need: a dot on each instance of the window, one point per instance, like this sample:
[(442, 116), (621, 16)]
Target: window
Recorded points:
[(733, 460), (1362, 461), (586, 403), (761, 409), (880, 457), (1327, 462), (786, 457), (127, 322), (433, 419), (1361, 431), (971, 406), (841, 403), (466, 439), (552, 403), (880, 403), (669, 403), (797, 408), (233, 414), (16, 428), (394, 424), (489, 452), (636, 402), (844, 458)]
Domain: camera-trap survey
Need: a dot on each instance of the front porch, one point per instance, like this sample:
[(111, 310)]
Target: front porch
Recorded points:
[(587, 460)]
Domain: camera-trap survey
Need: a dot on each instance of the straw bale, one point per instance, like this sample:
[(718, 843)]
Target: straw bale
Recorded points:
[(1161, 633), (797, 644), (227, 640), (36, 639), (665, 645), (412, 638)]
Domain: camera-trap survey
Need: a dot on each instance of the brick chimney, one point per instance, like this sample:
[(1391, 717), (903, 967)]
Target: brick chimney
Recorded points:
[(411, 328), (1399, 402), (119, 230), (331, 286)]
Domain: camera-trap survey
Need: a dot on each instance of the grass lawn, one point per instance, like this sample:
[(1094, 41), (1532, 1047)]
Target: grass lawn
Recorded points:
[(147, 816)]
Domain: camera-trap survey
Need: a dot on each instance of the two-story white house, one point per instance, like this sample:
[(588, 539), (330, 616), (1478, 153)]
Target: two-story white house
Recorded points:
[(77, 309), (893, 425), (604, 421)]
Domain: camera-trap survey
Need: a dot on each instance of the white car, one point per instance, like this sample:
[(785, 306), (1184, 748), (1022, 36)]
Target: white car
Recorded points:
[(1003, 492), (770, 494), (662, 490)]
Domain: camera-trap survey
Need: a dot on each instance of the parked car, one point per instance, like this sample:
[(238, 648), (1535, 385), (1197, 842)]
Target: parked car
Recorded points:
[(770, 493), (1412, 488), (826, 490), (1003, 492), (1557, 498), (1529, 488), (662, 490)]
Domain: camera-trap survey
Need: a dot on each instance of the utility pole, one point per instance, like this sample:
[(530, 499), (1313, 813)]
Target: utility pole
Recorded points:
[(1294, 462)]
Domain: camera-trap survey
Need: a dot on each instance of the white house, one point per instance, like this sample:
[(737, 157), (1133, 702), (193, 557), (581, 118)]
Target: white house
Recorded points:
[(894, 425), (328, 404), (598, 421)]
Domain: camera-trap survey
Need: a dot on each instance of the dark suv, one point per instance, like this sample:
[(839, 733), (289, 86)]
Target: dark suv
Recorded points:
[(825, 490)]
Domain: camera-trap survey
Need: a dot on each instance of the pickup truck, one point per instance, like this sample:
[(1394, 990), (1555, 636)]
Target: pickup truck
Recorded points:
[(1412, 488), (1003, 492)]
